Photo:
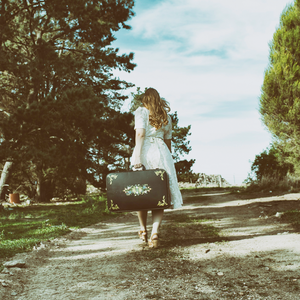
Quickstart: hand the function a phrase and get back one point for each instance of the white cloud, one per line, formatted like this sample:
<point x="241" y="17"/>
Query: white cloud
<point x="201" y="55"/>
<point x="209" y="130"/>
<point x="206" y="25"/>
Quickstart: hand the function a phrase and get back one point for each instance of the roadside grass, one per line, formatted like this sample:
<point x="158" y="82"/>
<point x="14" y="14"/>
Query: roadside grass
<point x="289" y="183"/>
<point x="292" y="217"/>
<point x="24" y="227"/>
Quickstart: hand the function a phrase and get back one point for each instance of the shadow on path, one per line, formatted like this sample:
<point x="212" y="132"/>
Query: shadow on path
<point x="217" y="246"/>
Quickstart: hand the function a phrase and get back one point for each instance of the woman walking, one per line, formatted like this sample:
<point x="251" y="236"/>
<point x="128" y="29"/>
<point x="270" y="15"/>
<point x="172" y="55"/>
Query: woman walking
<point x="153" y="134"/>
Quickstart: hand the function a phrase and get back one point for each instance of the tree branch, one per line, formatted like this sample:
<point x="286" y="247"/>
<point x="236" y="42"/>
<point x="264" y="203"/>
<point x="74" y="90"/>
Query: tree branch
<point x="30" y="20"/>
<point x="23" y="8"/>
<point x="5" y="112"/>
<point x="64" y="31"/>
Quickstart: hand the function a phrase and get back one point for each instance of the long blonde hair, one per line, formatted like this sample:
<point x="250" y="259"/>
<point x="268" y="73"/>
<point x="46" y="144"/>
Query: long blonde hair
<point x="157" y="107"/>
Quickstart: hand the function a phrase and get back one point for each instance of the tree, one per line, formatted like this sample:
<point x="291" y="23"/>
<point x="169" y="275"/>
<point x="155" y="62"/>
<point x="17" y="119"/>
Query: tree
<point x="184" y="171"/>
<point x="270" y="164"/>
<point x="115" y="150"/>
<point x="3" y="178"/>
<point x="280" y="97"/>
<point x="58" y="95"/>
<point x="180" y="142"/>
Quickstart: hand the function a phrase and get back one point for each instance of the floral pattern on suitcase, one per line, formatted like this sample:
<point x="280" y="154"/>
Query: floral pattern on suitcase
<point x="111" y="178"/>
<point x="113" y="206"/>
<point x="160" y="173"/>
<point x="137" y="189"/>
<point x="163" y="202"/>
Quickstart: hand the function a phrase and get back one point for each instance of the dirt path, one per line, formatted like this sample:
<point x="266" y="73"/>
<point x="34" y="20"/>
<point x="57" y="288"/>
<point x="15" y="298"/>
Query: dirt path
<point x="240" y="251"/>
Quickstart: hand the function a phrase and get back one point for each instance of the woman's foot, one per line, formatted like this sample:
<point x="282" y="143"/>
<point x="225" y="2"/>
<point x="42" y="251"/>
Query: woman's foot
<point x="153" y="242"/>
<point x="143" y="235"/>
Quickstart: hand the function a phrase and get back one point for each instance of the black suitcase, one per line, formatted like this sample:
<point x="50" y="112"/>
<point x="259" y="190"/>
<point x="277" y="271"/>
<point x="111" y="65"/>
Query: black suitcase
<point x="138" y="190"/>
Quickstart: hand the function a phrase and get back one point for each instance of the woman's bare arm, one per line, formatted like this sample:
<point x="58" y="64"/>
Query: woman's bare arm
<point x="139" y="141"/>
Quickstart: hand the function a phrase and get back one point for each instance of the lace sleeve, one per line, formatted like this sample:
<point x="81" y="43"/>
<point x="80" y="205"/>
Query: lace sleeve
<point x="168" y="129"/>
<point x="140" y="118"/>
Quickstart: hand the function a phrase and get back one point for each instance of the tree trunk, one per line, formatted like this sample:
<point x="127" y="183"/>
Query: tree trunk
<point x="44" y="190"/>
<point x="38" y="186"/>
<point x="3" y="179"/>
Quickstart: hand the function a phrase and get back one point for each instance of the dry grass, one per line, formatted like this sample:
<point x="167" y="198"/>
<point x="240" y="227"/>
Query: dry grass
<point x="274" y="183"/>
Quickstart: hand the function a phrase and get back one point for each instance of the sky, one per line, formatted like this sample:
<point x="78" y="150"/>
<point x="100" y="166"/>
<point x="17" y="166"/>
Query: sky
<point x="207" y="58"/>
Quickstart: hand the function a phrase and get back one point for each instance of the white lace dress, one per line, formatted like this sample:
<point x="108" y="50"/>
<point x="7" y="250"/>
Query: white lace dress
<point x="155" y="153"/>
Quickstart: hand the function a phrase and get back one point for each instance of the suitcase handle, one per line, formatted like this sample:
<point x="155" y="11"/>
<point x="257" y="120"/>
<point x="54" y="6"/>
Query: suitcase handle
<point x="142" y="168"/>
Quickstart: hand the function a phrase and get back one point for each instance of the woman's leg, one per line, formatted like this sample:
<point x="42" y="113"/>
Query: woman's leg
<point x="143" y="219"/>
<point x="157" y="216"/>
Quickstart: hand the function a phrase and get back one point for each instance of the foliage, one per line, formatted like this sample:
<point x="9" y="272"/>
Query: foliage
<point x="269" y="163"/>
<point x="136" y="99"/>
<point x="184" y="172"/>
<point x="180" y="142"/>
<point x="280" y="98"/>
<point x="271" y="172"/>
<point x="59" y="100"/>
<point x="24" y="227"/>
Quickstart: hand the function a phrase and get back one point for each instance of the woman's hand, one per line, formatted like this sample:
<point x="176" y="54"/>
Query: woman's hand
<point x="138" y="165"/>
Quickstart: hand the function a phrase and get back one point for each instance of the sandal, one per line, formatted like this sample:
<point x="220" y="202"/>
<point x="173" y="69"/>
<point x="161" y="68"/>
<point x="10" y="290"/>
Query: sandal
<point x="153" y="242"/>
<point x="143" y="235"/>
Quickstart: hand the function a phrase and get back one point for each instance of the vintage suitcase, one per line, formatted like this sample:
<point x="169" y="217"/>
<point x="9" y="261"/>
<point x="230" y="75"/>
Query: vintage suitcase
<point x="138" y="190"/>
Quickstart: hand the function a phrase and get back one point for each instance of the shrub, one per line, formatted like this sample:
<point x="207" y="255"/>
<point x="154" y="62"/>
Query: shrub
<point x="275" y="183"/>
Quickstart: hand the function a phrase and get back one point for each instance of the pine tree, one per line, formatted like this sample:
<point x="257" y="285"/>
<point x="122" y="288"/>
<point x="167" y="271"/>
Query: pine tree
<point x="58" y="95"/>
<point x="280" y="98"/>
